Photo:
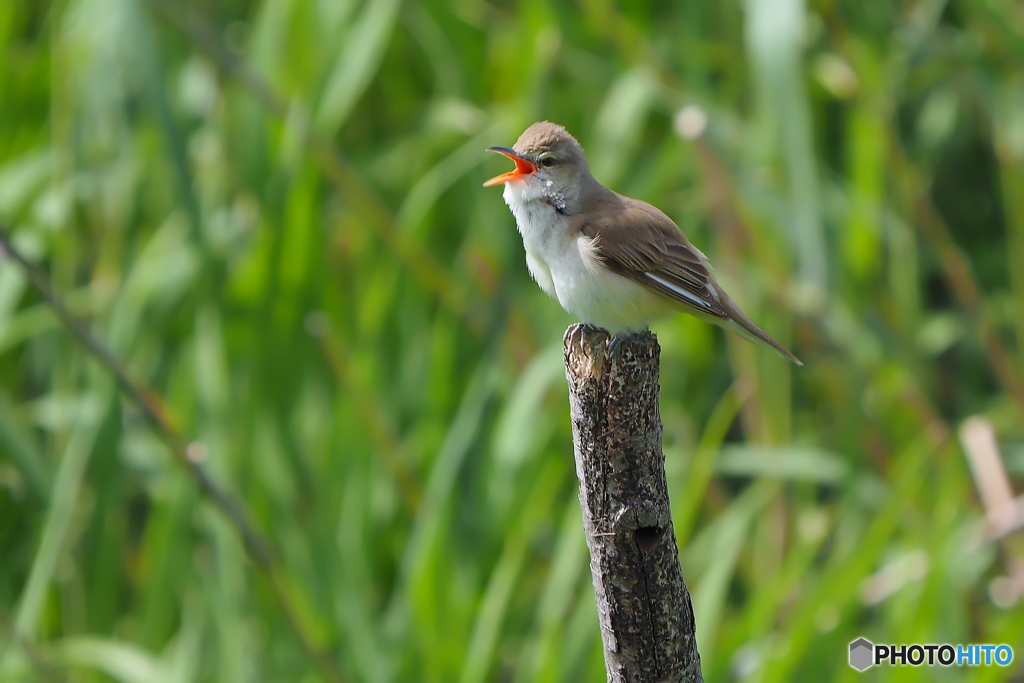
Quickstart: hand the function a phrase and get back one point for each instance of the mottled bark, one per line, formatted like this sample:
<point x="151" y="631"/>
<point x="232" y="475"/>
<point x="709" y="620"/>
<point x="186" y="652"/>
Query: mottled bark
<point x="643" y="604"/>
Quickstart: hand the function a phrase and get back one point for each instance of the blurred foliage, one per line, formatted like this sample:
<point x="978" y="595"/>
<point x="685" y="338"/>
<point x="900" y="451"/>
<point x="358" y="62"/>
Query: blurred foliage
<point x="272" y="212"/>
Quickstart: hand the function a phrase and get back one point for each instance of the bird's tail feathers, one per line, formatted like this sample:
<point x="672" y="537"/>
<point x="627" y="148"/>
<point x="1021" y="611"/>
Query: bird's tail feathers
<point x="740" y="324"/>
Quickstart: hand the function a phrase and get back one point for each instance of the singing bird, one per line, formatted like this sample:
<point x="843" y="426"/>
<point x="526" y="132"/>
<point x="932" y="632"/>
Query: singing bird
<point x="616" y="262"/>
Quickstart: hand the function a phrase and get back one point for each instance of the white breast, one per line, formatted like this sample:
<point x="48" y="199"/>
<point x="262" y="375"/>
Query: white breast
<point x="565" y="264"/>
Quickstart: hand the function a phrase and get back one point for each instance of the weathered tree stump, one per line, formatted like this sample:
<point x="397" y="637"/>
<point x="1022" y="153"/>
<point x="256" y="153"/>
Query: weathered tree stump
<point x="644" y="606"/>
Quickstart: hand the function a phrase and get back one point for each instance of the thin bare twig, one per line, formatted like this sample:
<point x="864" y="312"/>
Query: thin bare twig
<point x="186" y="453"/>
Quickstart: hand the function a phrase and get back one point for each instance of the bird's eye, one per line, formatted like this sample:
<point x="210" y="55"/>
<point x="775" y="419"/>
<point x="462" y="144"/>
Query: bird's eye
<point x="547" y="162"/>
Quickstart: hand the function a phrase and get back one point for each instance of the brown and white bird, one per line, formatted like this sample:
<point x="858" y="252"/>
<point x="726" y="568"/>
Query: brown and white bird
<point x="616" y="262"/>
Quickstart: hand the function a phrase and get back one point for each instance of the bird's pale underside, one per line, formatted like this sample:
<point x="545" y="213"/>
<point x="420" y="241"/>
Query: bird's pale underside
<point x="616" y="262"/>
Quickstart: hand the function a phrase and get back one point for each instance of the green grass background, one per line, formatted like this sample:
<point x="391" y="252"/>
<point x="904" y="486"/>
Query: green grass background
<point x="272" y="212"/>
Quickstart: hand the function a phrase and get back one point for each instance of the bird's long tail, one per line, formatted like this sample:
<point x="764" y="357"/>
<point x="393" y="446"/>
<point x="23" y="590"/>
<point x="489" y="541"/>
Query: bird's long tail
<point x="740" y="324"/>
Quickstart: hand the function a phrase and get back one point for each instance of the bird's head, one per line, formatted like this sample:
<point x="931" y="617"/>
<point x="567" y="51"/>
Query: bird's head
<point x="550" y="164"/>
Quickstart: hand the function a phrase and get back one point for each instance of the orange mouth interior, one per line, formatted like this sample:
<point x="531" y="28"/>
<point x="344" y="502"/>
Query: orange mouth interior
<point x="523" y="167"/>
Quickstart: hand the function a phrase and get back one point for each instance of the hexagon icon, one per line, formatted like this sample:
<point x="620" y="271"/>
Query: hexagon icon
<point x="861" y="654"/>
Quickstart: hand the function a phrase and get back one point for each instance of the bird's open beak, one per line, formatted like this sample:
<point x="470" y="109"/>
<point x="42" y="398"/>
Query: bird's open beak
<point x="524" y="167"/>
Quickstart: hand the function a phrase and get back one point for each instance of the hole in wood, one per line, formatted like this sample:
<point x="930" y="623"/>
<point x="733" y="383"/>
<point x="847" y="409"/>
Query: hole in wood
<point x="647" y="537"/>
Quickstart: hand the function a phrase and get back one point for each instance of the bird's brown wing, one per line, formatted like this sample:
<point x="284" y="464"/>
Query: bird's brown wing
<point x="639" y="242"/>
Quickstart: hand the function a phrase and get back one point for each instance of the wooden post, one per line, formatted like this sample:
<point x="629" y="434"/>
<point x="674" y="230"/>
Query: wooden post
<point x="643" y="604"/>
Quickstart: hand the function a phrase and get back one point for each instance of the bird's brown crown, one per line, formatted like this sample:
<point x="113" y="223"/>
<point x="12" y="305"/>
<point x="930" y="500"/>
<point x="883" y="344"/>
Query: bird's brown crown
<point x="546" y="136"/>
